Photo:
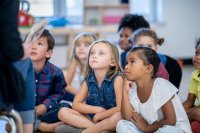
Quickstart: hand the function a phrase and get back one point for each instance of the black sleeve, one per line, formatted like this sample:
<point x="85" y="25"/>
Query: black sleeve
<point x="174" y="70"/>
<point x="10" y="42"/>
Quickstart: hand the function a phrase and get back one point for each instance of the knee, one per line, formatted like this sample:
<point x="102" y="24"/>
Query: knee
<point x="195" y="114"/>
<point x="115" y="118"/>
<point x="62" y="112"/>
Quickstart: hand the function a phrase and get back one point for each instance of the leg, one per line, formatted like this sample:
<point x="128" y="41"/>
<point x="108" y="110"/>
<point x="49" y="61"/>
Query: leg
<point x="169" y="129"/>
<point x="74" y="118"/>
<point x="124" y="126"/>
<point x="48" y="127"/>
<point x="194" y="114"/>
<point x="107" y="124"/>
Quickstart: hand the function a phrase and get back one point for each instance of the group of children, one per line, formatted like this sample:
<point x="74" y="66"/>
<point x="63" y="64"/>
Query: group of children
<point x="140" y="98"/>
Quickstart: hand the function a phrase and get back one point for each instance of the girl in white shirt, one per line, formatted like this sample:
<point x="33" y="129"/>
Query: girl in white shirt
<point x="149" y="104"/>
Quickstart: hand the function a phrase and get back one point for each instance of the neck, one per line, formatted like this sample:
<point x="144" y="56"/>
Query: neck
<point x="83" y="64"/>
<point x="100" y="75"/>
<point x="38" y="66"/>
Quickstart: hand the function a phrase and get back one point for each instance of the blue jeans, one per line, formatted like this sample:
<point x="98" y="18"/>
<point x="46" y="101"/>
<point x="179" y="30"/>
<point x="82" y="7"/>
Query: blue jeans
<point x="51" y="116"/>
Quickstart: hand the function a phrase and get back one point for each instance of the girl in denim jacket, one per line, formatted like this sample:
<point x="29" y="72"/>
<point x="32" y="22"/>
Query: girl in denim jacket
<point x="97" y="105"/>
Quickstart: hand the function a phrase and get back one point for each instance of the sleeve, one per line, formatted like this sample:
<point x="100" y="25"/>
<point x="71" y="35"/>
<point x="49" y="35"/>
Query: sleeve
<point x="162" y="92"/>
<point x="11" y="45"/>
<point x="192" y="85"/>
<point x="59" y="85"/>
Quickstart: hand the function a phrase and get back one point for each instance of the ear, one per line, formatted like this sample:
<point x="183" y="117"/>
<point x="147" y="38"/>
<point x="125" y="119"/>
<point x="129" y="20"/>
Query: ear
<point x="149" y="68"/>
<point x="112" y="63"/>
<point x="49" y="53"/>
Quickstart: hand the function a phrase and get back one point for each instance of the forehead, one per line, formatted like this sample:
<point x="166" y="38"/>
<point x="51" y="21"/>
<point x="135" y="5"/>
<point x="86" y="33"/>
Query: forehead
<point x="198" y="48"/>
<point x="126" y="30"/>
<point x="100" y="46"/>
<point x="43" y="39"/>
<point x="131" y="55"/>
<point x="145" y="40"/>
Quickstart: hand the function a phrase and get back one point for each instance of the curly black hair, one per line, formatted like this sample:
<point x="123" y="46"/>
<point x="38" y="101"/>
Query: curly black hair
<point x="133" y="21"/>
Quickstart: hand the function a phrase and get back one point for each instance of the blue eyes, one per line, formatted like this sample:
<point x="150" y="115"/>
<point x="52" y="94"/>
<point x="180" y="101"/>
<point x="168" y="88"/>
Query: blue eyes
<point x="100" y="53"/>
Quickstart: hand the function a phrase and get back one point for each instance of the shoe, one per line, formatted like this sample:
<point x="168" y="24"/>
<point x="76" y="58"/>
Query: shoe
<point x="67" y="129"/>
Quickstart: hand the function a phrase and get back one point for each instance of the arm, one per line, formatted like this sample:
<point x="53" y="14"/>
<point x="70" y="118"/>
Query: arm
<point x="127" y="108"/>
<point x="11" y="44"/>
<point x="169" y="118"/>
<point x="69" y="77"/>
<point x="189" y="102"/>
<point x="79" y="104"/>
<point x="118" y="86"/>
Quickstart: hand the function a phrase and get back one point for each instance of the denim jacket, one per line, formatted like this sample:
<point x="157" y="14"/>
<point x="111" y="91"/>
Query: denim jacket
<point x="104" y="95"/>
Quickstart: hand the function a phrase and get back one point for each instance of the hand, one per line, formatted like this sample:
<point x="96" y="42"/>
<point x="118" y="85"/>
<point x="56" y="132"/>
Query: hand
<point x="139" y="121"/>
<point x="40" y="110"/>
<point x="96" y="118"/>
<point x="127" y="84"/>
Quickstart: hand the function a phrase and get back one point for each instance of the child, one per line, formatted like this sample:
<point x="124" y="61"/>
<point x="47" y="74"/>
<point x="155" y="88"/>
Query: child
<point x="96" y="107"/>
<point x="148" y="38"/>
<point x="193" y="111"/>
<point x="75" y="73"/>
<point x="49" y="83"/>
<point x="149" y="104"/>
<point x="128" y="24"/>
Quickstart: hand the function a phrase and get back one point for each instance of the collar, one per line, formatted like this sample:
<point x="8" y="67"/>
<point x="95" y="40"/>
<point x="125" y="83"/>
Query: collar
<point x="92" y="77"/>
<point x="196" y="75"/>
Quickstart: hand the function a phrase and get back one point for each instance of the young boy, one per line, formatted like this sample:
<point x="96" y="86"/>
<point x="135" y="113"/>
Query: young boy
<point x="49" y="82"/>
<point x="193" y="111"/>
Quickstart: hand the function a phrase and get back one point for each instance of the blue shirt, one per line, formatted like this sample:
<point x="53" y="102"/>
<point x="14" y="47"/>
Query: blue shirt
<point x="50" y="85"/>
<point x="103" y="95"/>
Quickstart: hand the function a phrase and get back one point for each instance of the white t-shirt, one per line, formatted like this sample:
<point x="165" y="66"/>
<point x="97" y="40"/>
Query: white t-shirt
<point x="151" y="111"/>
<point x="77" y="79"/>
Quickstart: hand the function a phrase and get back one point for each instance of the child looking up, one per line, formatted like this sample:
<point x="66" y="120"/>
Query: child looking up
<point x="192" y="110"/>
<point x="97" y="105"/>
<point x="49" y="83"/>
<point x="149" y="104"/>
<point x="75" y="73"/>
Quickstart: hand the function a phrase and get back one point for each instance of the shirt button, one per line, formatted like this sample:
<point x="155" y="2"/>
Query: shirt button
<point x="35" y="95"/>
<point x="36" y="80"/>
<point x="50" y="106"/>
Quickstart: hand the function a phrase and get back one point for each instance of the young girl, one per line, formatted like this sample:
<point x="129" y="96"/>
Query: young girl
<point x="148" y="38"/>
<point x="75" y="74"/>
<point x="193" y="111"/>
<point x="149" y="104"/>
<point x="97" y="105"/>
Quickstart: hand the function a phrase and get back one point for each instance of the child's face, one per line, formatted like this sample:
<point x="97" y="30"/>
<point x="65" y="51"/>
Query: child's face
<point x="82" y="50"/>
<point x="125" y="34"/>
<point x="196" y="58"/>
<point x="146" y="41"/>
<point x="39" y="50"/>
<point x="135" y="68"/>
<point x="100" y="56"/>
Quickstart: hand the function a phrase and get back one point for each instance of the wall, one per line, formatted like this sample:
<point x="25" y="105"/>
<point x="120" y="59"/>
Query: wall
<point x="180" y="28"/>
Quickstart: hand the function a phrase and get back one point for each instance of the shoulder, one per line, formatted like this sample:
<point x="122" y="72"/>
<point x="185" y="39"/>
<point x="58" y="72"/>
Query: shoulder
<point x="53" y="69"/>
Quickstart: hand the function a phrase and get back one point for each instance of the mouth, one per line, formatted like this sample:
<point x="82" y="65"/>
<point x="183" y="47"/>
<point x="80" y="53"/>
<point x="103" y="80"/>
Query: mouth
<point x="33" y="53"/>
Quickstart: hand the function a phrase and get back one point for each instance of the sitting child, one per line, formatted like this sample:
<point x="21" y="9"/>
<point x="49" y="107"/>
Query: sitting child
<point x="193" y="111"/>
<point x="49" y="83"/>
<point x="149" y="104"/>
<point x="97" y="105"/>
<point x="75" y="74"/>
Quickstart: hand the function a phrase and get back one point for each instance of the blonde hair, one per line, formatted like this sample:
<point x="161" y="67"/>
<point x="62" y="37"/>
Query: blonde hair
<point x="84" y="37"/>
<point x="113" y="70"/>
<point x="146" y="32"/>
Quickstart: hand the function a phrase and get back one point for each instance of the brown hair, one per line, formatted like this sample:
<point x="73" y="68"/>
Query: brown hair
<point x="50" y="39"/>
<point x="146" y="32"/>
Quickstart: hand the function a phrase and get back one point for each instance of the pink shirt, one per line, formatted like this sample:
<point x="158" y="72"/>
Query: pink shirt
<point x="162" y="72"/>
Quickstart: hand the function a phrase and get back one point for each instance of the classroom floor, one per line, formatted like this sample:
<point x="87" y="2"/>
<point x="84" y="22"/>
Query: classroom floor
<point x="183" y="91"/>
